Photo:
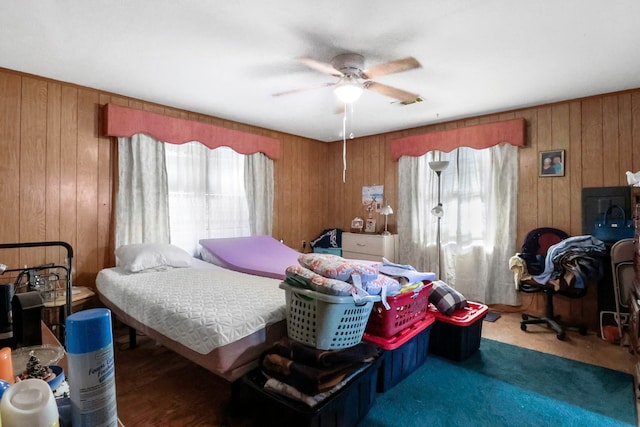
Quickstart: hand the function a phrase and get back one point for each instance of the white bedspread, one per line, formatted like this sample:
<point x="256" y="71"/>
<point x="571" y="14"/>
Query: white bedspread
<point x="203" y="307"/>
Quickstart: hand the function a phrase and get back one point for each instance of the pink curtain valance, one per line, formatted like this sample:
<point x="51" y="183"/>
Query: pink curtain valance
<point x="124" y="121"/>
<point x="478" y="137"/>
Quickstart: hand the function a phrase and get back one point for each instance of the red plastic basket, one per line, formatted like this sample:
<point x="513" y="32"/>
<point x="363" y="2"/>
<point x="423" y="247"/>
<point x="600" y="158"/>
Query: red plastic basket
<point x="406" y="309"/>
<point x="392" y="343"/>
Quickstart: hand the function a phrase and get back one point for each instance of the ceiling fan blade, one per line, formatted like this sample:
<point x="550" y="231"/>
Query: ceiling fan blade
<point x="396" y="66"/>
<point x="320" y="66"/>
<point x="304" y="89"/>
<point x="404" y="97"/>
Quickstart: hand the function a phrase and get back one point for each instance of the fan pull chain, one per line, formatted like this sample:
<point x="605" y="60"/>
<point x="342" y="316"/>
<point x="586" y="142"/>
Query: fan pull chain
<point x="351" y="134"/>
<point x="344" y="145"/>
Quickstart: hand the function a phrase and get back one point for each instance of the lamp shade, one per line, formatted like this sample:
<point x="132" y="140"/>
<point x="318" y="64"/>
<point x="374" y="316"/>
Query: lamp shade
<point x="439" y="166"/>
<point x="348" y="91"/>
<point x="386" y="210"/>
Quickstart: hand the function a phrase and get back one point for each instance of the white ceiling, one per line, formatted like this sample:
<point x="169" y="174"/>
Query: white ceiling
<point x="226" y="59"/>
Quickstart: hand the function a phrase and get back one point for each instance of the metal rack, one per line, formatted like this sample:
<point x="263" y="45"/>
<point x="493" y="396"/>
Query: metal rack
<point x="31" y="270"/>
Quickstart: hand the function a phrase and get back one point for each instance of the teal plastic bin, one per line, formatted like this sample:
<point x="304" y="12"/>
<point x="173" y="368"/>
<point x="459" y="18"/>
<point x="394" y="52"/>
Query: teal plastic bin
<point x="332" y="251"/>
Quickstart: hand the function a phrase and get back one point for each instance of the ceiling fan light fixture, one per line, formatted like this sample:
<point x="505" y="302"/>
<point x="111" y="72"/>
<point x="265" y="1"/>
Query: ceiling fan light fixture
<point x="348" y="91"/>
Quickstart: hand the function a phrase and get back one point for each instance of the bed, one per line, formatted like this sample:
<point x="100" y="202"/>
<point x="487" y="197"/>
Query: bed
<point x="219" y="318"/>
<point x="221" y="313"/>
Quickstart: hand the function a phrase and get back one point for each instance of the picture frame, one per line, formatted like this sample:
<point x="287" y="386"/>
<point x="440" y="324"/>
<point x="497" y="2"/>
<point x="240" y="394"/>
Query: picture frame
<point x="357" y="224"/>
<point x="370" y="226"/>
<point x="551" y="163"/>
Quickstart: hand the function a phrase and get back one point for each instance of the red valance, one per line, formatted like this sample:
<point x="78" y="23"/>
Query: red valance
<point x="479" y="136"/>
<point x="124" y="121"/>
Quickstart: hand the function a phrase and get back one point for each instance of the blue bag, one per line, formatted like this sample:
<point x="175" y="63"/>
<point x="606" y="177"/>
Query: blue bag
<point x="611" y="230"/>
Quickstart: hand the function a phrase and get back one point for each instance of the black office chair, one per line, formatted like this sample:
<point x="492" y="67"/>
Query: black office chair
<point x="534" y="251"/>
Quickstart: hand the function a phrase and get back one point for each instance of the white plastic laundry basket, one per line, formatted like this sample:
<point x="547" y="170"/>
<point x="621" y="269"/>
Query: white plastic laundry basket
<point x="325" y="322"/>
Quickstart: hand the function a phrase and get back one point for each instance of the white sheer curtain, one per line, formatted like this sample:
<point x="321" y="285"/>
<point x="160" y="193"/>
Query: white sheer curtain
<point x="142" y="209"/>
<point x="179" y="194"/>
<point x="206" y="194"/>
<point x="259" y="186"/>
<point x="478" y="230"/>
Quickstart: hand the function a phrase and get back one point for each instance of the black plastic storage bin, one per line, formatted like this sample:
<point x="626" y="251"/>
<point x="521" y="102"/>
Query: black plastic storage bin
<point x="403" y="353"/>
<point x="457" y="337"/>
<point x="346" y="407"/>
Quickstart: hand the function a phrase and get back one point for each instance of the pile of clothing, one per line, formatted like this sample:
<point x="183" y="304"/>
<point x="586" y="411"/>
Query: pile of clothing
<point x="334" y="275"/>
<point x="310" y="375"/>
<point x="568" y="265"/>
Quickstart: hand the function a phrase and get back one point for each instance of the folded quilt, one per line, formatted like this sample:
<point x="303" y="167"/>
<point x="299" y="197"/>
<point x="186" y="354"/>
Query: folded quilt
<point x="336" y="267"/>
<point x="302" y="277"/>
<point x="333" y="275"/>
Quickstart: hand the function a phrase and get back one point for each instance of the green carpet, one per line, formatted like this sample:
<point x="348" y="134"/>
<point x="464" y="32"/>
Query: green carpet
<point x="505" y="385"/>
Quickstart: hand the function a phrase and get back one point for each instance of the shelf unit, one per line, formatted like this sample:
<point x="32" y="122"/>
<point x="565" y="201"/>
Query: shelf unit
<point x="67" y="269"/>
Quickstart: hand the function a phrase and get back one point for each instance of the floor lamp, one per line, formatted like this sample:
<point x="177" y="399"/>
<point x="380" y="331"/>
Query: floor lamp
<point x="437" y="211"/>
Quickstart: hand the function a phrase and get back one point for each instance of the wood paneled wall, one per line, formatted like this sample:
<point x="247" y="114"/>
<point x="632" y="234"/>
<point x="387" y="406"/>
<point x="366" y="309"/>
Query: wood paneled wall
<point x="601" y="136"/>
<point x="57" y="172"/>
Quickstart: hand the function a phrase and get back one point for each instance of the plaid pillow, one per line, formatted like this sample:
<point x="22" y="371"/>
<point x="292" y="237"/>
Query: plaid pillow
<point x="445" y="298"/>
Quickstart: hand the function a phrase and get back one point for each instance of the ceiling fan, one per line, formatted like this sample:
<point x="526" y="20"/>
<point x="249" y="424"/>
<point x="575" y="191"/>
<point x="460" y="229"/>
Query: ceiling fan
<point x="353" y="78"/>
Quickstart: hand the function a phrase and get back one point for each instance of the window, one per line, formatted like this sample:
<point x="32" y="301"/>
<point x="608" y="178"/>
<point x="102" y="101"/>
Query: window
<point x="464" y="193"/>
<point x="206" y="194"/>
<point x="477" y="231"/>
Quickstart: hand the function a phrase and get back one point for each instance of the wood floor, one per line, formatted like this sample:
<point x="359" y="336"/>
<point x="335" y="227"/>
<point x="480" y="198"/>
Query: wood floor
<point x="156" y="387"/>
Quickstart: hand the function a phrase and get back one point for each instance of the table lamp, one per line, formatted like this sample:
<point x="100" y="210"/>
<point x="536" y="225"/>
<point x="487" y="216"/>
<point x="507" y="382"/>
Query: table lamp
<point x="386" y="211"/>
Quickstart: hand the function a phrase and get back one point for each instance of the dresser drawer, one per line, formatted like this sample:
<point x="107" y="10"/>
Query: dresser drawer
<point x="363" y="243"/>
<point x="368" y="246"/>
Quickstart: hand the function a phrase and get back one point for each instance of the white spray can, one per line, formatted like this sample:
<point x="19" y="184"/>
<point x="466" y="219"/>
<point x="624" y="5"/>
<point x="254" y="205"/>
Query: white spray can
<point x="92" y="383"/>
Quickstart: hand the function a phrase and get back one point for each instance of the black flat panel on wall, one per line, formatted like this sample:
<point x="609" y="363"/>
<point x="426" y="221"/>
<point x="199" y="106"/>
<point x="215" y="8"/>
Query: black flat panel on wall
<point x="596" y="201"/>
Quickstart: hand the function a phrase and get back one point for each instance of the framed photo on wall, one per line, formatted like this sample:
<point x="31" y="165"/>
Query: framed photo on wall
<point x="551" y="163"/>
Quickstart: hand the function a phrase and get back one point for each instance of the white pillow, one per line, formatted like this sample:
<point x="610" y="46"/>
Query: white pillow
<point x="144" y="256"/>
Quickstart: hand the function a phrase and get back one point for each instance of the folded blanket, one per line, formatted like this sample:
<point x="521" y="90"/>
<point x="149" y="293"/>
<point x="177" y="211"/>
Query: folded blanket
<point x="305" y="378"/>
<point x="313" y="371"/>
<point x="291" y="392"/>
<point x="363" y="352"/>
<point x="405" y="274"/>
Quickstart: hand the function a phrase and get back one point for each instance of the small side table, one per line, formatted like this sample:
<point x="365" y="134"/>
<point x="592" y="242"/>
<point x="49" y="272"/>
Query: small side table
<point x="53" y="312"/>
